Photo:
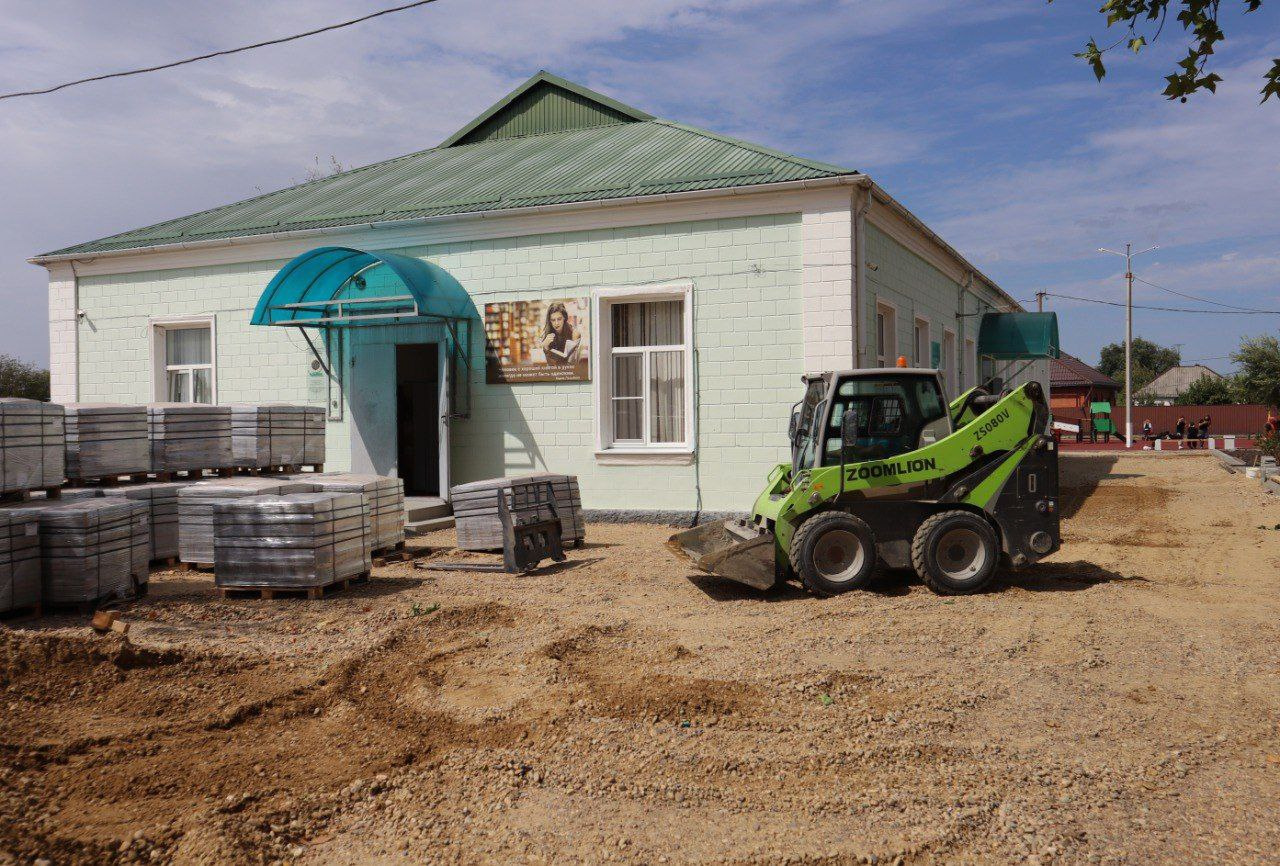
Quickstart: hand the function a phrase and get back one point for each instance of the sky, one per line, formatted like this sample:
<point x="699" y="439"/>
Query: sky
<point x="973" y="114"/>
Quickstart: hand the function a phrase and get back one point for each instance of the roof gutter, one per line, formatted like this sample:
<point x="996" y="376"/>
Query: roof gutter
<point x="693" y="195"/>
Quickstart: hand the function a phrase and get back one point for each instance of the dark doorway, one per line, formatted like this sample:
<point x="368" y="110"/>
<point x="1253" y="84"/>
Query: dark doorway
<point x="418" y="418"/>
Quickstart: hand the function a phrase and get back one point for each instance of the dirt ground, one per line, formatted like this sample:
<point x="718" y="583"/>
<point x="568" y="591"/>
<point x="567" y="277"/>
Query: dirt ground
<point x="1120" y="703"/>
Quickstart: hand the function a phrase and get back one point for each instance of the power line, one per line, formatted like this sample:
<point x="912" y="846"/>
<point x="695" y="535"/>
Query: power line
<point x="213" y="54"/>
<point x="1164" y="309"/>
<point x="1201" y="300"/>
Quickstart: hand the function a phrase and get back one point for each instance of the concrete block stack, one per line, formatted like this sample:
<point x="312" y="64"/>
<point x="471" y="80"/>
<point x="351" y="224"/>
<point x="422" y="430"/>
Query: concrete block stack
<point x="196" y="502"/>
<point x="271" y="434"/>
<point x="19" y="561"/>
<point x="313" y="436"/>
<point x="106" y="440"/>
<point x="296" y="541"/>
<point x="475" y="507"/>
<point x="32" y="445"/>
<point x="384" y="494"/>
<point x="161" y="499"/>
<point x="187" y="436"/>
<point x="91" y="550"/>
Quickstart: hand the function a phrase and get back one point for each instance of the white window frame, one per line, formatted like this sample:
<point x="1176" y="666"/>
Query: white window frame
<point x="923" y="353"/>
<point x="886" y="356"/>
<point x="160" y="367"/>
<point x="602" y="352"/>
<point x="947" y="358"/>
<point x="970" y="363"/>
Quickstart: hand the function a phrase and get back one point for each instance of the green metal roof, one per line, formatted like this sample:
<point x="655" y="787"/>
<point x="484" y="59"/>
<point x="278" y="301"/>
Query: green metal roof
<point x="548" y="142"/>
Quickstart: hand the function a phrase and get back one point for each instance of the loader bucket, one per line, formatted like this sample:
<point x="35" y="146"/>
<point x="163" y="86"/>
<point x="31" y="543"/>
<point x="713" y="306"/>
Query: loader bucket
<point x="734" y="549"/>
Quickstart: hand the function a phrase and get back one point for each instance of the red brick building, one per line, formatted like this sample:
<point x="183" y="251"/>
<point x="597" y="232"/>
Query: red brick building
<point x="1073" y="385"/>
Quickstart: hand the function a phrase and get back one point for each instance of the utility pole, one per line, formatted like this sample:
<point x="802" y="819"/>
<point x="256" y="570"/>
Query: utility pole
<point x="1128" y="255"/>
<point x="1040" y="301"/>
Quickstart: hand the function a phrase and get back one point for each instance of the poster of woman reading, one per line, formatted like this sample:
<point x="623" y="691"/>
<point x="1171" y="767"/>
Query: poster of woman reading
<point x="538" y="341"/>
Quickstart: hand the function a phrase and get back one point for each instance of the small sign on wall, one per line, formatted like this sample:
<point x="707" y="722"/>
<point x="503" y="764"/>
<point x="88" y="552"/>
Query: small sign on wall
<point x="538" y="341"/>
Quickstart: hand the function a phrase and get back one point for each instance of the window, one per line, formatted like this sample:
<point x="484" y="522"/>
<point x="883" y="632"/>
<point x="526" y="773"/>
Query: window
<point x="886" y="335"/>
<point x="896" y="414"/>
<point x="948" y="362"/>
<point x="922" y="342"/>
<point x="970" y="364"/>
<point x="645" y="387"/>
<point x="184" y="367"/>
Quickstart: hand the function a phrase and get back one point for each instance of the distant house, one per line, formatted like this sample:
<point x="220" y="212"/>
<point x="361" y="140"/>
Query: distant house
<point x="1073" y="385"/>
<point x="1166" y="387"/>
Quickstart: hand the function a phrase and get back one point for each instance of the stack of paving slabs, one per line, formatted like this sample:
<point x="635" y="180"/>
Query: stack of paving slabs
<point x="161" y="499"/>
<point x="475" y="508"/>
<point x="106" y="440"/>
<point x="313" y="436"/>
<point x="32" y="443"/>
<point x="195" y="509"/>
<point x="298" y="541"/>
<point x="19" y="561"/>
<point x="76" y="494"/>
<point x="272" y="434"/>
<point x="91" y="550"/>
<point x="385" y="496"/>
<point x="189" y="436"/>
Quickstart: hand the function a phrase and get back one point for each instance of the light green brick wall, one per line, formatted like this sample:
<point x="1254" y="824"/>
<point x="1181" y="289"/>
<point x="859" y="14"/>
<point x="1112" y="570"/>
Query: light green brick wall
<point x="747" y="308"/>
<point x="917" y="288"/>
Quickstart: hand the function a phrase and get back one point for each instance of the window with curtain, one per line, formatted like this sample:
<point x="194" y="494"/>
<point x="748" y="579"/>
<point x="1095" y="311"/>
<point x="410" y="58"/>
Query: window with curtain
<point x="647" y="373"/>
<point x="188" y="364"/>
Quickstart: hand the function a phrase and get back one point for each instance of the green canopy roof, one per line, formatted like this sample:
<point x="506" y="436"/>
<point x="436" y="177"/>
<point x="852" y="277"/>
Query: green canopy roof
<point x="330" y="286"/>
<point x="548" y="142"/>
<point x="1018" y="336"/>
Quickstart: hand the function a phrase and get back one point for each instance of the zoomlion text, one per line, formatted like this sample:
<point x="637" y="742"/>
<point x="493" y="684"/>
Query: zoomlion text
<point x="900" y="467"/>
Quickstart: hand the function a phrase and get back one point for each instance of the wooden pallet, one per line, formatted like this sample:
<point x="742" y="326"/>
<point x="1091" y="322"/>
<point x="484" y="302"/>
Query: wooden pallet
<point x="278" y="469"/>
<point x="124" y="480"/>
<point x="194" y="566"/>
<point x="25" y="495"/>
<point x="395" y="553"/>
<point x="271" y="592"/>
<point x="23" y="611"/>
<point x="165" y="563"/>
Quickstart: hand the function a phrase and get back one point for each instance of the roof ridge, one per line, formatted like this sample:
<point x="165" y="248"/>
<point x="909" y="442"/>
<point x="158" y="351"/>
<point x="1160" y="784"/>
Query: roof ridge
<point x="757" y="148"/>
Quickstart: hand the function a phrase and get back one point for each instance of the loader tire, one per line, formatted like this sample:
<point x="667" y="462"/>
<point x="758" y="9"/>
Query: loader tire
<point x="955" y="552"/>
<point x="833" y="552"/>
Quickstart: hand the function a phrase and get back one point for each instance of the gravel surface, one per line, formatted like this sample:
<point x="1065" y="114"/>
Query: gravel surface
<point x="1119" y="704"/>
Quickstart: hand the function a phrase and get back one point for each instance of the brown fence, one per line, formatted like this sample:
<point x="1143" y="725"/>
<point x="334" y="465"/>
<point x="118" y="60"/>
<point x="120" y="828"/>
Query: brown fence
<point x="1240" y="419"/>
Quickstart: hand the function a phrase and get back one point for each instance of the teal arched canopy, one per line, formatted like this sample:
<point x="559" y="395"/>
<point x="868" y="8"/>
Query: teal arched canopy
<point x="343" y="287"/>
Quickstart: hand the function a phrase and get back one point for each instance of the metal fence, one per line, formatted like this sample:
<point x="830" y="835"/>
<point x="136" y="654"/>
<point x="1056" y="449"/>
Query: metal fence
<point x="1243" y="419"/>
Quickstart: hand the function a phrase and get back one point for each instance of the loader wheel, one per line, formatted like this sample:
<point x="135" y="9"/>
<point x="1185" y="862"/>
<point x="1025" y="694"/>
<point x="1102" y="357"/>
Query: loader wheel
<point x="833" y="552"/>
<point x="955" y="552"/>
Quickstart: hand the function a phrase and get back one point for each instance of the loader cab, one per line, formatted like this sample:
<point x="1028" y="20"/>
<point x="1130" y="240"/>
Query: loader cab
<point x="896" y="410"/>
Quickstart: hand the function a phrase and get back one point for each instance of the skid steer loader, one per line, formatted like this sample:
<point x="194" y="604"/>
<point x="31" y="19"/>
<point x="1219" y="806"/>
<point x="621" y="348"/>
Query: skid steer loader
<point x="883" y="469"/>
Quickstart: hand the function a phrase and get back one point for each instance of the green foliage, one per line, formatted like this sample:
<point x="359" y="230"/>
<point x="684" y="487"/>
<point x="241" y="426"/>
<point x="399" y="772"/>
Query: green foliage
<point x="1269" y="444"/>
<point x="1200" y="23"/>
<point x="1259" y="362"/>
<point x="1210" y="391"/>
<point x="20" y="379"/>
<point x="1149" y="360"/>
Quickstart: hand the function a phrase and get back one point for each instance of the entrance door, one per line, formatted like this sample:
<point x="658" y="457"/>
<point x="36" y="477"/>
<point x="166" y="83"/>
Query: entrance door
<point x="418" y="418"/>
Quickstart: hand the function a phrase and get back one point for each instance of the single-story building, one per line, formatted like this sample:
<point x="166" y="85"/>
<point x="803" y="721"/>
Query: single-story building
<point x="1169" y="385"/>
<point x="1074" y="385"/>
<point x="566" y="283"/>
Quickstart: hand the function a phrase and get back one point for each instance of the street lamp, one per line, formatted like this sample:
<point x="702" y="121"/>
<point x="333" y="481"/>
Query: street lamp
<point x="1128" y="255"/>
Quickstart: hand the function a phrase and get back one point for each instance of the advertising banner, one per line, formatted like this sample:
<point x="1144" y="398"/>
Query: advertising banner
<point x="538" y="341"/>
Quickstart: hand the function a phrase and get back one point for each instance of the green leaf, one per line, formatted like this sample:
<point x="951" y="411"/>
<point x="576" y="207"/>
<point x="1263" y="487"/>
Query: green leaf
<point x="1136" y="43"/>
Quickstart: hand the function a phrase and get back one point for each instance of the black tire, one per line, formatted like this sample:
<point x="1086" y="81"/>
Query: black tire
<point x="955" y="552"/>
<point x="833" y="552"/>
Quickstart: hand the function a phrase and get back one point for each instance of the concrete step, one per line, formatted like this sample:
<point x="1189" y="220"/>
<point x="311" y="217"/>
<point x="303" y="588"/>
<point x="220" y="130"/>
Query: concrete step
<point x="422" y="527"/>
<point x="419" y="508"/>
